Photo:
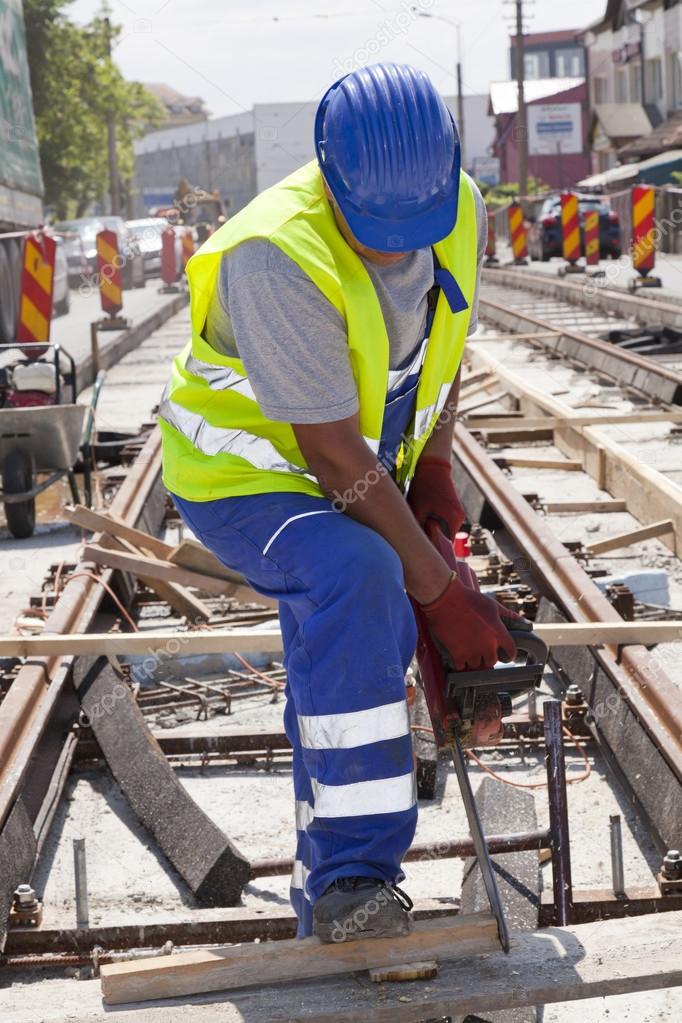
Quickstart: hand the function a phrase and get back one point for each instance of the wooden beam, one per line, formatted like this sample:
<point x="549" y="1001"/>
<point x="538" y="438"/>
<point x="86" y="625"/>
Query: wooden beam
<point x="497" y="396"/>
<point x="103" y="522"/>
<point x="555" y="964"/>
<point x="649" y="494"/>
<point x="154" y="569"/>
<point x="182" y="600"/>
<point x="519" y="337"/>
<point x="194" y="556"/>
<point x="211" y="641"/>
<point x="607" y="505"/>
<point x="240" y="966"/>
<point x="612" y="543"/>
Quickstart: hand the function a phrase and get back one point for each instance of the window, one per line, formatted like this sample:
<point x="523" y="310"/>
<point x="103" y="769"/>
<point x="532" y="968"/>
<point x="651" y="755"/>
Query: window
<point x="620" y="82"/>
<point x="600" y="89"/>
<point x="536" y="65"/>
<point x="635" y="72"/>
<point x="653" y="80"/>
<point x="674" y="81"/>
<point x="569" y="63"/>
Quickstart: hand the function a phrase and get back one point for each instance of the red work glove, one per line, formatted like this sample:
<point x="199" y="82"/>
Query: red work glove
<point x="432" y="495"/>
<point x="445" y="549"/>
<point x="467" y="627"/>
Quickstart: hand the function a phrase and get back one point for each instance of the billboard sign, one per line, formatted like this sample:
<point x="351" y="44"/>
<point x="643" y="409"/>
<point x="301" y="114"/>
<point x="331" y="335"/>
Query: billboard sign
<point x="554" y="128"/>
<point x="487" y="169"/>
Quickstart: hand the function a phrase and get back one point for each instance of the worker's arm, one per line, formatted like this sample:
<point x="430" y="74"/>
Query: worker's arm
<point x="432" y="494"/>
<point x="347" y="472"/>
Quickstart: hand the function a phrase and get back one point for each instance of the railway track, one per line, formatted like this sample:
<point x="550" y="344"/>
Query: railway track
<point x="551" y="428"/>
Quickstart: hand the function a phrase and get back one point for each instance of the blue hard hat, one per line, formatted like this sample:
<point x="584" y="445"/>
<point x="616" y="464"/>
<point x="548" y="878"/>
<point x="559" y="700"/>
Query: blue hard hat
<point x="389" y="151"/>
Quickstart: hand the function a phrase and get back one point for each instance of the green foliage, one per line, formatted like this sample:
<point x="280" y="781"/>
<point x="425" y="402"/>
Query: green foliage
<point x="677" y="177"/>
<point x="501" y="195"/>
<point x="76" y="88"/>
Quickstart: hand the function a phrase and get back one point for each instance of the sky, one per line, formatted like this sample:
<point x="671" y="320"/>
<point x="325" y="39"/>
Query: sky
<point x="234" y="53"/>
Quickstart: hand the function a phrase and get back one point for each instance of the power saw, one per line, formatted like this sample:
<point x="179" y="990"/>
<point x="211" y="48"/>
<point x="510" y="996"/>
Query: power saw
<point x="466" y="709"/>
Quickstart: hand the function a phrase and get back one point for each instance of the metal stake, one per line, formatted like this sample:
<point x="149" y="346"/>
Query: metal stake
<point x="558" y="812"/>
<point x="80" y="872"/>
<point x="617" y="869"/>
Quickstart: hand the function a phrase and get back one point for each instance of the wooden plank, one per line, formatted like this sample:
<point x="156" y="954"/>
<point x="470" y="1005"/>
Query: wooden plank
<point x="215" y="641"/>
<point x="607" y="505"/>
<point x="497" y="396"/>
<point x="178" y="597"/>
<point x="612" y="543"/>
<point x="194" y="556"/>
<point x="520" y="462"/>
<point x="106" y="523"/>
<point x="518" y="337"/>
<point x="240" y="966"/>
<point x="141" y="565"/>
<point x="546" y="966"/>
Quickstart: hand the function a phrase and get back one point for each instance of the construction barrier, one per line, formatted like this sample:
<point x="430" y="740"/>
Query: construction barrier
<point x="570" y="227"/>
<point x="591" y="229"/>
<point x="109" y="272"/>
<point x="517" y="231"/>
<point x="187" y="250"/>
<point x="37" y="281"/>
<point x="643" y="208"/>
<point x="169" y="263"/>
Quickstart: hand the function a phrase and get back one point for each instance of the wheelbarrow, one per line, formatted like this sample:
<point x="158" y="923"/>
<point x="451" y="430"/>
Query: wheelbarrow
<point x="49" y="437"/>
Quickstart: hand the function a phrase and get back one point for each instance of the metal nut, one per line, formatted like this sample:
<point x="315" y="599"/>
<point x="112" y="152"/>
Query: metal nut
<point x="574" y="695"/>
<point x="672" y="865"/>
<point x="24" y="895"/>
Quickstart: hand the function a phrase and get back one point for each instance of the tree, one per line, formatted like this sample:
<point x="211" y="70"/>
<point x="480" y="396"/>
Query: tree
<point x="76" y="87"/>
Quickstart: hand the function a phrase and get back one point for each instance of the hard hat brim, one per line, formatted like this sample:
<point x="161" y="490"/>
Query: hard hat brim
<point x="392" y="235"/>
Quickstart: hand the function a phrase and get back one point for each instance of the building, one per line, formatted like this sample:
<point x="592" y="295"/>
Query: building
<point x="634" y="67"/>
<point x="550" y="55"/>
<point x="557" y="117"/>
<point x="179" y="109"/>
<point x="242" y="154"/>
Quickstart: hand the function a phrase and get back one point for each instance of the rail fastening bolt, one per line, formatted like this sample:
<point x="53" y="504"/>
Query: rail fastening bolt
<point x="672" y="865"/>
<point x="574" y="695"/>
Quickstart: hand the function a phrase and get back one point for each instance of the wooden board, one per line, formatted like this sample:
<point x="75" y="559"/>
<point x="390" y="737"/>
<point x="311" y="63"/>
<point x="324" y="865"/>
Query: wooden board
<point x="155" y="569"/>
<point x="546" y="966"/>
<point x="182" y="600"/>
<point x="240" y="966"/>
<point x="520" y="462"/>
<point x="103" y="522"/>
<point x="216" y="641"/>
<point x="612" y="543"/>
<point x="607" y="505"/>
<point x="633" y="418"/>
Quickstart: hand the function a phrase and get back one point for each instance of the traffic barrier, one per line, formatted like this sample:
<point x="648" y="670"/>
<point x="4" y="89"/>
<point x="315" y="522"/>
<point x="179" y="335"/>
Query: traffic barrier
<point x="169" y="263"/>
<point x="109" y="263"/>
<point x="643" y="245"/>
<point x="37" y="282"/>
<point x="570" y="227"/>
<point x="517" y="230"/>
<point x="187" y="250"/>
<point x="491" y="242"/>
<point x="591" y="228"/>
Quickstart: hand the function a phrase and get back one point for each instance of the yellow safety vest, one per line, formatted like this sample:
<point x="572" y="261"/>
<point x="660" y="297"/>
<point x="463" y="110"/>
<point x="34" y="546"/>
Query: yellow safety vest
<point x="216" y="441"/>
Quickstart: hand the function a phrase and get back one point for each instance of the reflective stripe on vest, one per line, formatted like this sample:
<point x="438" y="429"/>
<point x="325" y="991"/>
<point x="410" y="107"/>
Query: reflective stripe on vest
<point x="216" y="440"/>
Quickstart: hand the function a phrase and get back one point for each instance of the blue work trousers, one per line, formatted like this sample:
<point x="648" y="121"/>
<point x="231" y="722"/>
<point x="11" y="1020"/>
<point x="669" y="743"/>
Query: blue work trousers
<point x="349" y="635"/>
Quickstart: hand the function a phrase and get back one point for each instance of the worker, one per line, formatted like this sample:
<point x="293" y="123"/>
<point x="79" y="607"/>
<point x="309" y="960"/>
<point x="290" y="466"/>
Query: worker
<point x="307" y="432"/>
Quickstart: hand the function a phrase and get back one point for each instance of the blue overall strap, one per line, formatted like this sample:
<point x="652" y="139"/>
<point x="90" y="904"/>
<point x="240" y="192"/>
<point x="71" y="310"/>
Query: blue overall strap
<point x="450" y="289"/>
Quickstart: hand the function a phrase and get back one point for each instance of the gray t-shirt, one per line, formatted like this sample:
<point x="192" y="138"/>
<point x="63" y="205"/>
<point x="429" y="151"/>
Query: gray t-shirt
<point x="292" y="340"/>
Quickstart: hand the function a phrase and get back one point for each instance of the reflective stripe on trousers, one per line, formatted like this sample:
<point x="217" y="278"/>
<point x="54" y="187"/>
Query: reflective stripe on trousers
<point x="349" y="636"/>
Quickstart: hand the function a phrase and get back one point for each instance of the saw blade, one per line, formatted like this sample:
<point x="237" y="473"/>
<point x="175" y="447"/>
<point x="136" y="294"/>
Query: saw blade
<point x="479" y="841"/>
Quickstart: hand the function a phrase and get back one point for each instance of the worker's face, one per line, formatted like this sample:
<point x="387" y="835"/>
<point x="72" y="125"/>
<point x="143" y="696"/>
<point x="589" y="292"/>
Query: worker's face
<point x="373" y="255"/>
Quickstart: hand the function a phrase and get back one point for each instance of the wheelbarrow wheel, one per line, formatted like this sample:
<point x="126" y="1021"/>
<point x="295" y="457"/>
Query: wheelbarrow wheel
<point x="17" y="478"/>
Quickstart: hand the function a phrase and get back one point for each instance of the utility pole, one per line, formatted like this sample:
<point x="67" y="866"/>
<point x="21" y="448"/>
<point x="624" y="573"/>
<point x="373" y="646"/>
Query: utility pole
<point x="521" y="118"/>
<point x="460" y="96"/>
<point x="114" y="185"/>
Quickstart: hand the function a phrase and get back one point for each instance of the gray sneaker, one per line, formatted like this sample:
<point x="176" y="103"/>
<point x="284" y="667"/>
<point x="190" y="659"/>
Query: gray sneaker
<point x="361" y="907"/>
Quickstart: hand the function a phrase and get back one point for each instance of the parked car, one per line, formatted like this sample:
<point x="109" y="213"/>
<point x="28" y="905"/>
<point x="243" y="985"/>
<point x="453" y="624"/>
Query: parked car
<point x="147" y="234"/>
<point x="79" y="242"/>
<point x="61" y="300"/>
<point x="544" y="233"/>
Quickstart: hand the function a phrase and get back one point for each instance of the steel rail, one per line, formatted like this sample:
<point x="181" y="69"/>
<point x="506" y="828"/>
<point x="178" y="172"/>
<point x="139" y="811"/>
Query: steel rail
<point x="657" y="382"/>
<point x="31" y="700"/>
<point x="640" y="679"/>
<point x="647" y="310"/>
